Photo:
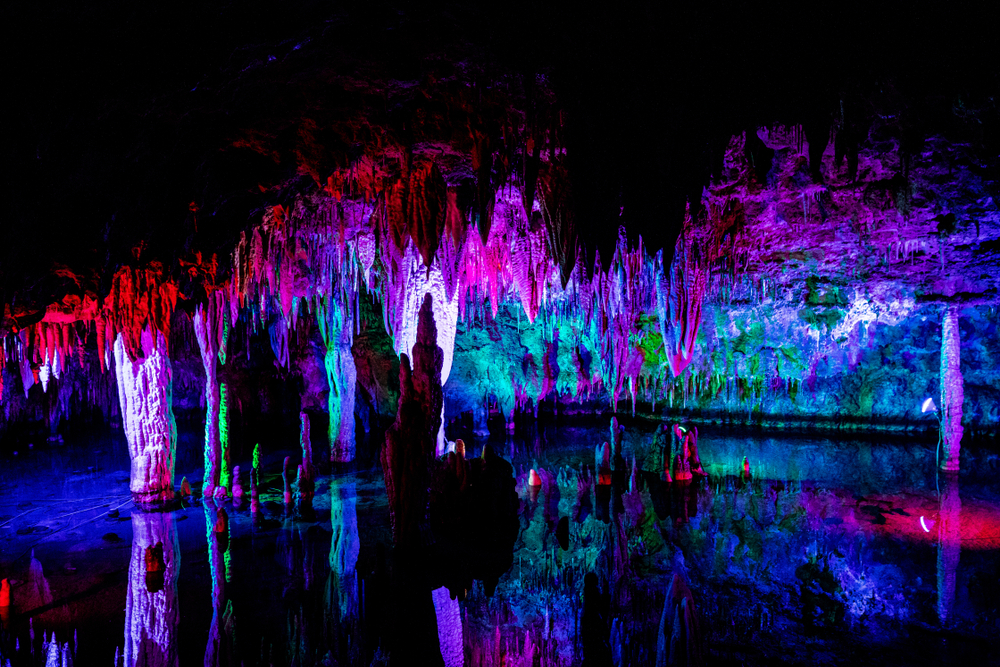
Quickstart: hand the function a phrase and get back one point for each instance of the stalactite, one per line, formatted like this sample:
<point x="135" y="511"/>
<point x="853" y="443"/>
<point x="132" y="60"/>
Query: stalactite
<point x="144" y="392"/>
<point x="679" y="294"/>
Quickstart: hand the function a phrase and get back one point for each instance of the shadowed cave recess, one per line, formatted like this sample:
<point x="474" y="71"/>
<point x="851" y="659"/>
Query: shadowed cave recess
<point x="527" y="335"/>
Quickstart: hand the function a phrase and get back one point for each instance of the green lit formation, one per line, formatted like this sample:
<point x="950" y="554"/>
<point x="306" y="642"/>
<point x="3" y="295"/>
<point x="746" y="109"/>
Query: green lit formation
<point x="225" y="473"/>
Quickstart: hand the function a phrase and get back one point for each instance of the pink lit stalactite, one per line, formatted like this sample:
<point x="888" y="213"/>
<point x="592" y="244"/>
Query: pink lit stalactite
<point x="679" y="295"/>
<point x="949" y="545"/>
<point x="144" y="393"/>
<point x="416" y="281"/>
<point x="152" y="610"/>
<point x="952" y="390"/>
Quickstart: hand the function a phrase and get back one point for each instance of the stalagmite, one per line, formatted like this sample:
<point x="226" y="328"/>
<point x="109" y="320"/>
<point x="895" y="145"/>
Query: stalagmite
<point x="237" y="487"/>
<point x="952" y="390"/>
<point x="144" y="393"/>
<point x="152" y="611"/>
<point x="305" y="442"/>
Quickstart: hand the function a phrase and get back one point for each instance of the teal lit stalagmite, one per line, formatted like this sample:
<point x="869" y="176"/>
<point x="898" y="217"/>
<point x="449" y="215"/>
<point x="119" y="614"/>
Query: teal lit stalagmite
<point x="152" y="610"/>
<point x="337" y="329"/>
<point x="952" y="390"/>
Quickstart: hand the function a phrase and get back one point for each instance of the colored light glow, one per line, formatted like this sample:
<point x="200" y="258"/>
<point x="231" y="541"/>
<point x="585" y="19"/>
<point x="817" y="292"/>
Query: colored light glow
<point x="225" y="474"/>
<point x="924" y="525"/>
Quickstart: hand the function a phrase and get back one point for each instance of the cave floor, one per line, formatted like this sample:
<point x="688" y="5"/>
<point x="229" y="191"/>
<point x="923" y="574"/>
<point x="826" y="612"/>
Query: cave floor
<point x="836" y="551"/>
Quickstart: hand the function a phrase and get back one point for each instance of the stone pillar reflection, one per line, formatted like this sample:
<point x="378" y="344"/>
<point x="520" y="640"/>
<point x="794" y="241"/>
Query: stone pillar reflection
<point x="218" y="649"/>
<point x="952" y="391"/>
<point x="152" y="610"/>
<point x="342" y="591"/>
<point x="144" y="394"/>
<point x="949" y="545"/>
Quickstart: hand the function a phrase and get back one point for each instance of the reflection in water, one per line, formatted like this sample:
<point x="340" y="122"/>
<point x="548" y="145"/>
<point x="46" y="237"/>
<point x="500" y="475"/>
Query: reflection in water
<point x="151" y="608"/>
<point x="449" y="627"/>
<point x="219" y="650"/>
<point x="949" y="545"/>
<point x="342" y="589"/>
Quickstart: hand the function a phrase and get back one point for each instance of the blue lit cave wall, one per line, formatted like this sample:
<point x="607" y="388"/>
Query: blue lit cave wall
<point x="830" y="364"/>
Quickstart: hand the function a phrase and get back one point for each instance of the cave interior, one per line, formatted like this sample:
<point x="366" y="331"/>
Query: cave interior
<point x="436" y="333"/>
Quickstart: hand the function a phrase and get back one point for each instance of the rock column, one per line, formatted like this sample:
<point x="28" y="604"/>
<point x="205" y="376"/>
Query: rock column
<point x="208" y="329"/>
<point x="144" y="394"/>
<point x="952" y="392"/>
<point x="341" y="377"/>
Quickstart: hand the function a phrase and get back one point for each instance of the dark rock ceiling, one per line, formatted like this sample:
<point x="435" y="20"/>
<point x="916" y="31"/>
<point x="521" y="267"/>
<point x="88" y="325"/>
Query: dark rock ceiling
<point x="172" y="125"/>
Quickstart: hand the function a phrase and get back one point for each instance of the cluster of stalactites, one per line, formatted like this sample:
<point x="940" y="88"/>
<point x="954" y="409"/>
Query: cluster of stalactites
<point x="139" y="299"/>
<point x="412" y="239"/>
<point x="312" y="258"/>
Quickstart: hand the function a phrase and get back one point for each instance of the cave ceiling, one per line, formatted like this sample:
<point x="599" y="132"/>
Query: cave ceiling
<point x="163" y="131"/>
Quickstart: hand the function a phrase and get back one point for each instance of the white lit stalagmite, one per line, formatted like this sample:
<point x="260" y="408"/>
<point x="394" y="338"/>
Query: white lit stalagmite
<point x="144" y="394"/>
<point x="152" y="611"/>
<point x="418" y="280"/>
<point x="952" y="391"/>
